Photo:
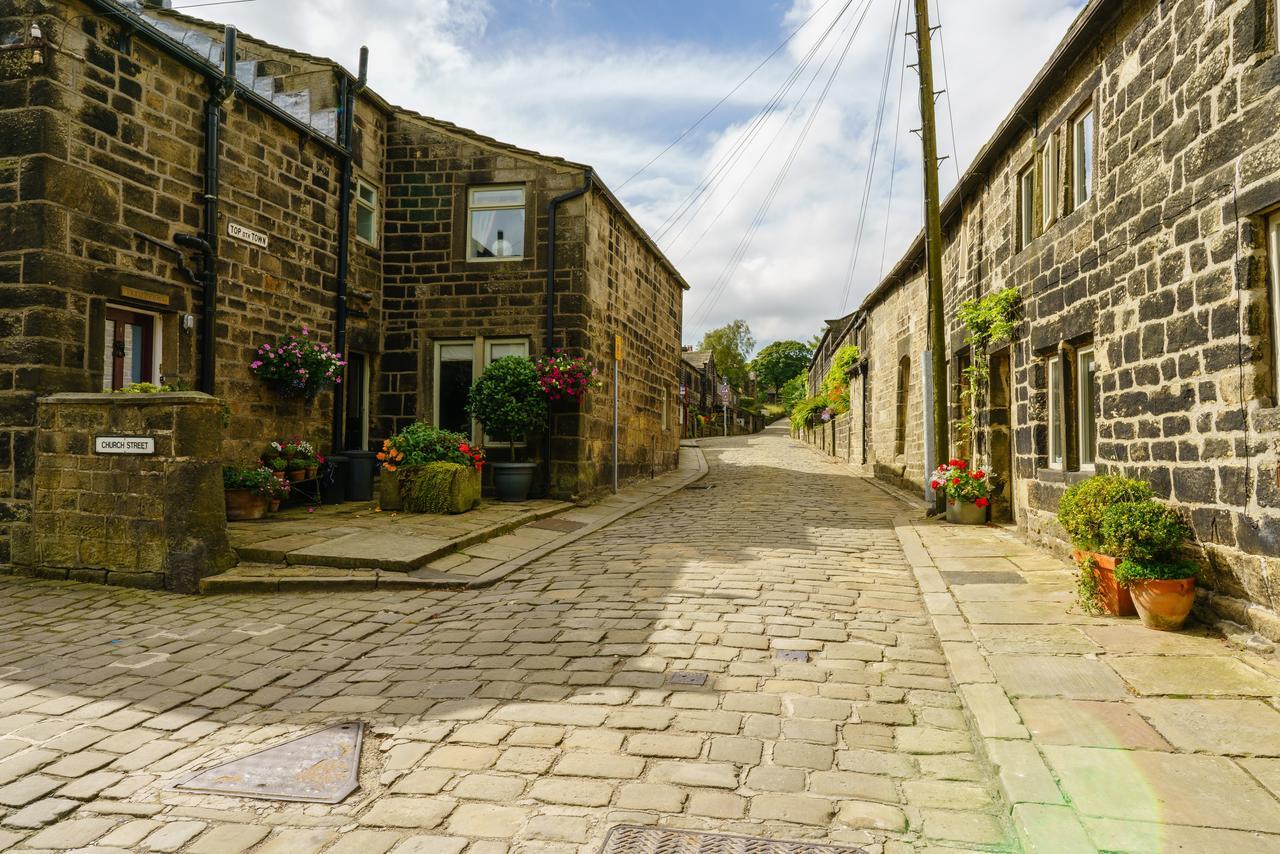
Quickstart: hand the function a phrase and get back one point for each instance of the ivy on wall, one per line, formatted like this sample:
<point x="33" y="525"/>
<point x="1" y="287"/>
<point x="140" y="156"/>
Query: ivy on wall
<point x="988" y="319"/>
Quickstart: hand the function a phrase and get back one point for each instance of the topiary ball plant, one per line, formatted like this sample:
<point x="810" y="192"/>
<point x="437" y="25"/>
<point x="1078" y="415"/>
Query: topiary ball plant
<point x="1081" y="508"/>
<point x="508" y="400"/>
<point x="1142" y="531"/>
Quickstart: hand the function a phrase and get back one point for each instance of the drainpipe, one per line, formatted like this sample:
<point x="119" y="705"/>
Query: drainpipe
<point x="347" y="92"/>
<point x="221" y="90"/>
<point x="588" y="180"/>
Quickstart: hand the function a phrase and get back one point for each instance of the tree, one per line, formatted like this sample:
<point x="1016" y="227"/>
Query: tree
<point x="730" y="345"/>
<point x="779" y="362"/>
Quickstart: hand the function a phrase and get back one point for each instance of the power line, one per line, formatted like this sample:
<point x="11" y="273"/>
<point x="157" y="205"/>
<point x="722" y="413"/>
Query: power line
<point x="727" y="96"/>
<point x="893" y="163"/>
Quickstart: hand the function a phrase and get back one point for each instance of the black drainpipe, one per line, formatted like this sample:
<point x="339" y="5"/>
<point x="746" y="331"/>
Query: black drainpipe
<point x="347" y="92"/>
<point x="588" y="179"/>
<point x="221" y="90"/>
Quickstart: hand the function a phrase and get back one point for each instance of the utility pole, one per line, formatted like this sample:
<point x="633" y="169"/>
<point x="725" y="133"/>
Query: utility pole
<point x="933" y="239"/>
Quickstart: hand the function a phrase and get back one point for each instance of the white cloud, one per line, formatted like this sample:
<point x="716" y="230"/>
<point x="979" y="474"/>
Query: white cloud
<point x="615" y="105"/>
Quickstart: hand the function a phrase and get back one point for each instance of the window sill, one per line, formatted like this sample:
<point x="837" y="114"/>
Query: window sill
<point x="1068" y="477"/>
<point x="495" y="260"/>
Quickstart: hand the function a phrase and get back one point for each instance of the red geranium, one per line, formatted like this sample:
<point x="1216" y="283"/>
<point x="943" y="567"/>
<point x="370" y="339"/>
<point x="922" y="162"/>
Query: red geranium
<point x="959" y="483"/>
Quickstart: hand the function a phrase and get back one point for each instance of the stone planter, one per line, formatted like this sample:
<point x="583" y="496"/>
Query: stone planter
<point x="1164" y="605"/>
<point x="389" y="490"/>
<point x="512" y="481"/>
<point x="965" y="513"/>
<point x="1114" y="598"/>
<point x="244" y="504"/>
<point x="439" y="488"/>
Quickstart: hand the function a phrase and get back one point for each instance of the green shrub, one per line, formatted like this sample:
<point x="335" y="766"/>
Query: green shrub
<point x="1080" y="510"/>
<point x="808" y="412"/>
<point x="422" y="443"/>
<point x="508" y="400"/>
<point x="1142" y="531"/>
<point x="1129" y="571"/>
<point x="257" y="479"/>
<point x="794" y="391"/>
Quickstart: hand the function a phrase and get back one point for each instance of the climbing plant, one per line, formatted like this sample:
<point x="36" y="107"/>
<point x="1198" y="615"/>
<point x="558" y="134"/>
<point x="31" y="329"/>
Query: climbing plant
<point x="988" y="319"/>
<point x="835" y="385"/>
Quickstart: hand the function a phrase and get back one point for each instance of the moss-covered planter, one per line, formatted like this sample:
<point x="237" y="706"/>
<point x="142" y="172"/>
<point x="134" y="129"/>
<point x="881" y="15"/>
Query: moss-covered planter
<point x="438" y="488"/>
<point x="389" y="490"/>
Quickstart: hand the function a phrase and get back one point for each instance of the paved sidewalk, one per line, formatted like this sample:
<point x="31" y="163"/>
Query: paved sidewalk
<point x="368" y="550"/>
<point x="1107" y="736"/>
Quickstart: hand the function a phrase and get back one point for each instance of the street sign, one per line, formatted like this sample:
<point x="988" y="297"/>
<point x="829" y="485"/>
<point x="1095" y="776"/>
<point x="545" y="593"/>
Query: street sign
<point x="124" y="445"/>
<point x="248" y="235"/>
<point x="617" y="347"/>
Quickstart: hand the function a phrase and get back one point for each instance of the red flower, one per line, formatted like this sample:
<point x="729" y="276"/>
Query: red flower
<point x="953" y="462"/>
<point x="934" y="484"/>
<point x="979" y="474"/>
<point x="464" y="448"/>
<point x="955" y="481"/>
<point x="982" y="502"/>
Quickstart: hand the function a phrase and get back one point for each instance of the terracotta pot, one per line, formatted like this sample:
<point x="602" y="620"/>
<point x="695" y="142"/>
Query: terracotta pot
<point x="296" y="475"/>
<point x="966" y="513"/>
<point x="311" y="472"/>
<point x="275" y="505"/>
<point x="244" y="504"/>
<point x="1114" y="598"/>
<point x="1164" y="605"/>
<point x="279" y="475"/>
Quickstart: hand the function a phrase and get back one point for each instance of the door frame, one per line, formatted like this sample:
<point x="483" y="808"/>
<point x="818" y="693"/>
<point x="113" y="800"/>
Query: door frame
<point x="152" y="345"/>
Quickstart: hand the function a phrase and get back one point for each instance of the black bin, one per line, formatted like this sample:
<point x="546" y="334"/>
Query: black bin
<point x="360" y="472"/>
<point x="333" y="479"/>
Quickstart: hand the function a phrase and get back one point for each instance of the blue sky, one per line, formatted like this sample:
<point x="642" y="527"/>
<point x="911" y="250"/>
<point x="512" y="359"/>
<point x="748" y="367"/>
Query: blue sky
<point x="611" y="82"/>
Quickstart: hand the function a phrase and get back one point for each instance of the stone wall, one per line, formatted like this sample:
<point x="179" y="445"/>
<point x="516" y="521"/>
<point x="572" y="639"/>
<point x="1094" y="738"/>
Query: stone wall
<point x="137" y="520"/>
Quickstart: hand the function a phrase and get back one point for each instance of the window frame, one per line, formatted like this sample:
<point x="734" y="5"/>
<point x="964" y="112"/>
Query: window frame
<point x="1083" y="157"/>
<point x="902" y="405"/>
<point x="1273" y="251"/>
<point x="472" y="208"/>
<point x="371" y="206"/>
<point x="156" y="343"/>
<point x="1026" y="205"/>
<point x="1050" y="181"/>
<point x="437" y="359"/>
<point x="1055" y="404"/>
<point x="1085" y="398"/>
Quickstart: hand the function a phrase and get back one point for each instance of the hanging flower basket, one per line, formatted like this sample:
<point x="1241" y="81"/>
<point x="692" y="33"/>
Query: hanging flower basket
<point x="299" y="366"/>
<point x="566" y="378"/>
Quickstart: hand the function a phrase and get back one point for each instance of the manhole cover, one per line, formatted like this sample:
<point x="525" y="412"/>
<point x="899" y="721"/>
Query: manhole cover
<point x="319" y="767"/>
<point x="629" y="839"/>
<point x="978" y="577"/>
<point x="564" y="526"/>
<point x="791" y="655"/>
<point x="688" y="677"/>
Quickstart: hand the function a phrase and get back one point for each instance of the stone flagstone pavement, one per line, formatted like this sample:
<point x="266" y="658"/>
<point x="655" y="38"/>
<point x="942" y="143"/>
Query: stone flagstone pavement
<point x="1106" y="736"/>
<point x="530" y="716"/>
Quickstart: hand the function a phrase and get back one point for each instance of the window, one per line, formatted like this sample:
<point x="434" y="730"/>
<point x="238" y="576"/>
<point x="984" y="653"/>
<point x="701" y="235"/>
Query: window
<point x="1274" y="252"/>
<point x="904" y="379"/>
<point x="1082" y="159"/>
<point x="1055" y="412"/>
<point x="366" y="213"/>
<point x="1049" y="180"/>
<point x="1086" y="412"/>
<point x="455" y="371"/>
<point x="500" y="348"/>
<point x="495" y="224"/>
<point x="131" y="348"/>
<point x="1026" y="207"/>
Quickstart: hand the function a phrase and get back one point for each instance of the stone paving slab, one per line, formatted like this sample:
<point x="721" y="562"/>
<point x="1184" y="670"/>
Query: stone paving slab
<point x="1132" y="740"/>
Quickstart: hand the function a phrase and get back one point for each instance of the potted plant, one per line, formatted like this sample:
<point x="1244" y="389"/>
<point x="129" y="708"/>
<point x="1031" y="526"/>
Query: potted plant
<point x="429" y="470"/>
<point x="509" y="401"/>
<point x="564" y="377"/>
<point x="1080" y="513"/>
<point x="278" y="466"/>
<point x="298" y="366"/>
<point x="1146" y="537"/>
<point x="967" y="490"/>
<point x="278" y="491"/>
<point x="247" y="491"/>
<point x="296" y="469"/>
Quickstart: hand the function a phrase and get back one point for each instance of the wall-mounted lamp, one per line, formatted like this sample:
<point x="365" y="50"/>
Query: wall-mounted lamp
<point x="36" y="40"/>
<point x="188" y="322"/>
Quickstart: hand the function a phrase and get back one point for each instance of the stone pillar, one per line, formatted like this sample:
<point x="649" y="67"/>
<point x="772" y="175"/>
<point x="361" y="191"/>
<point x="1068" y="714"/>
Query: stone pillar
<point x="153" y="517"/>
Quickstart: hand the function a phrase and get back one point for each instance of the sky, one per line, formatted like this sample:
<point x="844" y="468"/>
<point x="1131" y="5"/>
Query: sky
<point x="761" y="204"/>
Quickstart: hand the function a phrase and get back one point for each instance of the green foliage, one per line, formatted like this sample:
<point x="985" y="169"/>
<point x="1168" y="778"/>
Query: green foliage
<point x="141" y="388"/>
<point x="808" y="413"/>
<point x="1142" y="531"/>
<point x="794" y="391"/>
<point x="989" y="319"/>
<point x="1129" y="571"/>
<point x="730" y="345"/>
<point x="508" y="399"/>
<point x="1081" y="507"/>
<point x="773" y="411"/>
<point x="257" y="479"/>
<point x="835" y="385"/>
<point x="1088" y="591"/>
<point x="779" y="362"/>
<point x="436" y="488"/>
<point x="421" y="443"/>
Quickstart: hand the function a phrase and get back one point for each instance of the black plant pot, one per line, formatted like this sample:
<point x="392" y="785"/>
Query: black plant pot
<point x="512" y="481"/>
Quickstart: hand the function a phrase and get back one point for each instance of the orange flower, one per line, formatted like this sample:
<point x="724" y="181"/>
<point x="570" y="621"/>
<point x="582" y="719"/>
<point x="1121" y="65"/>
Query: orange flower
<point x="381" y="456"/>
<point x="390" y="467"/>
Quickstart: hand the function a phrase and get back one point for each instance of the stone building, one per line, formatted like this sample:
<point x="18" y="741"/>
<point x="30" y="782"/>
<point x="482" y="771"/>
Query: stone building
<point x="167" y="205"/>
<point x="1132" y="197"/>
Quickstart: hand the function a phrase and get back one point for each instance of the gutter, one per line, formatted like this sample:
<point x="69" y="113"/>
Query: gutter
<point x="587" y="183"/>
<point x="220" y="90"/>
<point x="348" y="90"/>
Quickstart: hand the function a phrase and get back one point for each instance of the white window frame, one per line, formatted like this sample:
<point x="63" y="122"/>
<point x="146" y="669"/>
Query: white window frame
<point x="489" y="344"/>
<point x="1056" y="453"/>
<point x="1084" y="407"/>
<point x="1026" y="206"/>
<point x="371" y="206"/>
<point x="472" y="206"/>
<point x="437" y="354"/>
<point x="157" y="342"/>
<point x="1083" y="154"/>
<point x="1050" y="181"/>
<point x="1273" y="250"/>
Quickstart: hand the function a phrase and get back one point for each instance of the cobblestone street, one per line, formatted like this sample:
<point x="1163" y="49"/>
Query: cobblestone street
<point x="531" y="716"/>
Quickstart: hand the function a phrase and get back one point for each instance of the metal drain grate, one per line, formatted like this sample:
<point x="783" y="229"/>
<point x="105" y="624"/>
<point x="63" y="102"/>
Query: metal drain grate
<point x="564" y="526"/>
<point x="791" y="655"/>
<point x="319" y="767"/>
<point x="630" y="839"/>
